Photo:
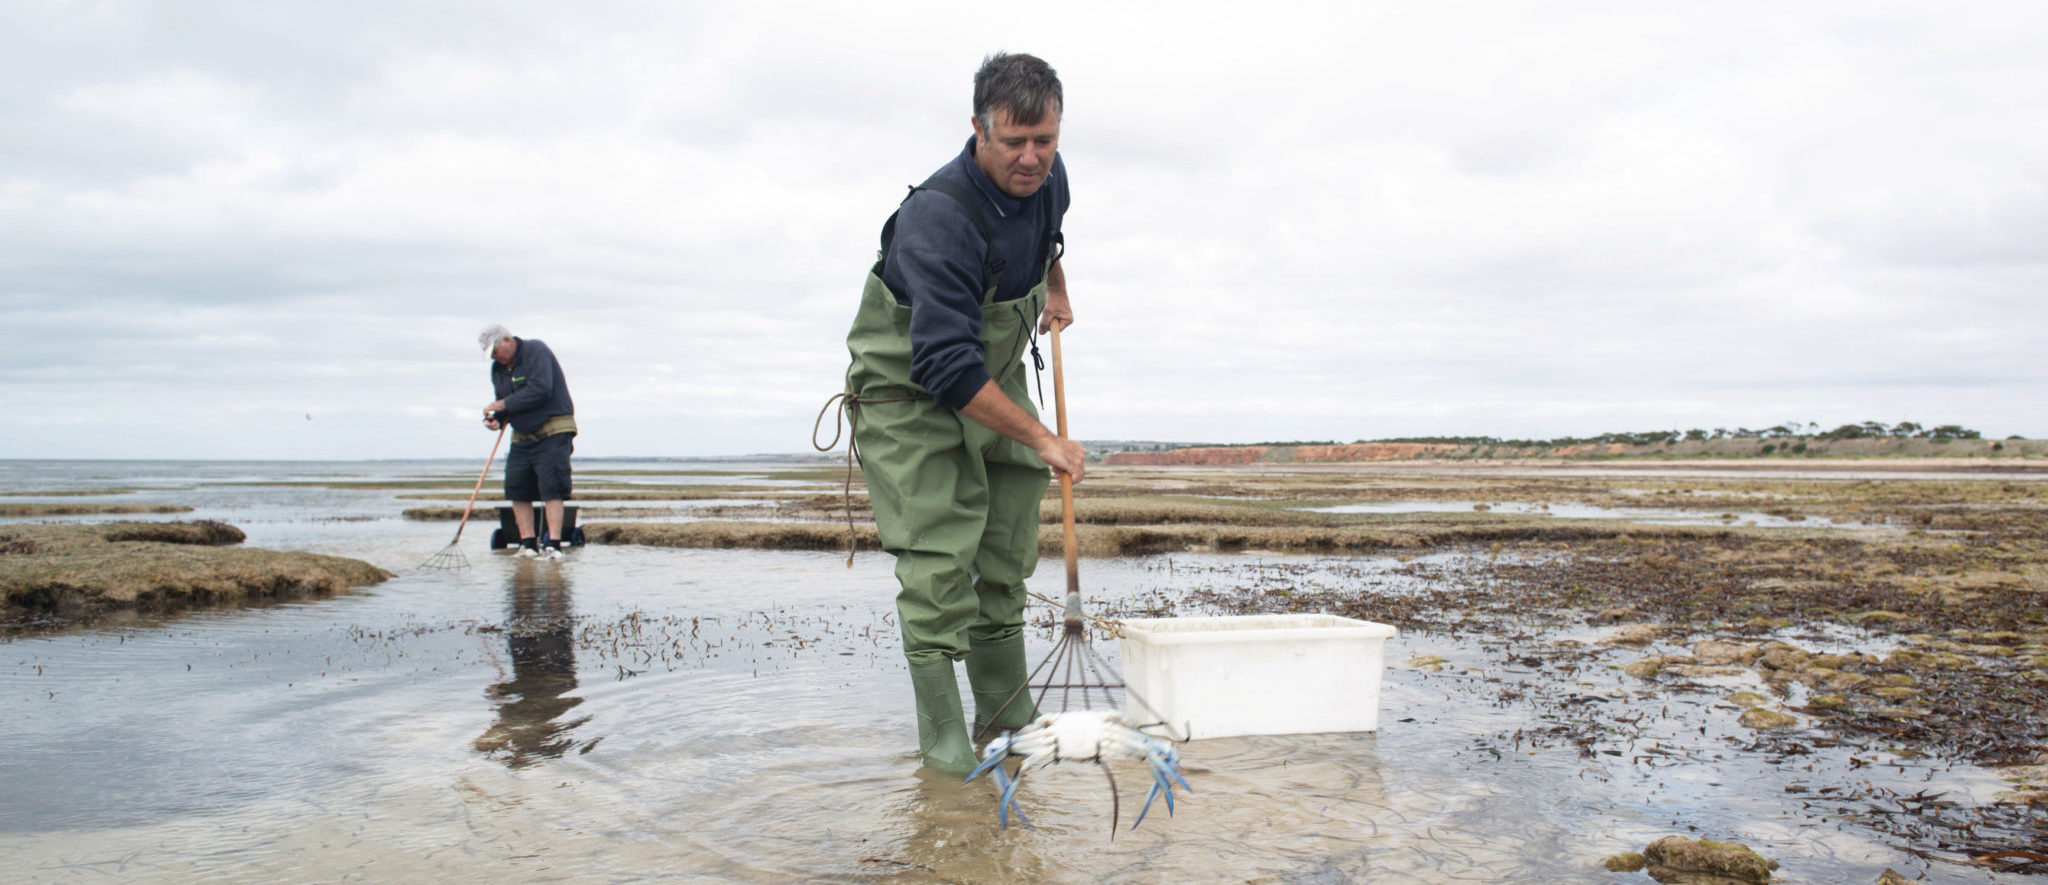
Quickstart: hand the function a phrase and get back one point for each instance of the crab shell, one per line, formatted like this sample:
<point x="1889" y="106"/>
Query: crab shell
<point x="1081" y="736"/>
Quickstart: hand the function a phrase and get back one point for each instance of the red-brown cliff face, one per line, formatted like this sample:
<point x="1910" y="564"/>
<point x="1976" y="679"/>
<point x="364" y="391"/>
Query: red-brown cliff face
<point x="1191" y="457"/>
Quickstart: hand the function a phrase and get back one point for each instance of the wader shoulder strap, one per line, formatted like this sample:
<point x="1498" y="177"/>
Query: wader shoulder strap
<point x="978" y="211"/>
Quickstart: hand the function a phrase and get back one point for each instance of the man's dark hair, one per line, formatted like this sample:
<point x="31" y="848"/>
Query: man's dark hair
<point x="1024" y="84"/>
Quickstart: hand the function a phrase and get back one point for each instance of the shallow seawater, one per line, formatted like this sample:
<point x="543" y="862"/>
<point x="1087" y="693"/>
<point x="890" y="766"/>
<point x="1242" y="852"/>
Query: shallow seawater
<point x="1570" y="510"/>
<point x="710" y="715"/>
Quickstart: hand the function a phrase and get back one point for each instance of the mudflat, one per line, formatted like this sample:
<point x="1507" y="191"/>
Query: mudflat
<point x="1692" y="576"/>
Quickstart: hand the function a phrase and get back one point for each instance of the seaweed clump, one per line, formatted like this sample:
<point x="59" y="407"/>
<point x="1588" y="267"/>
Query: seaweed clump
<point x="74" y="571"/>
<point x="204" y="532"/>
<point x="18" y="510"/>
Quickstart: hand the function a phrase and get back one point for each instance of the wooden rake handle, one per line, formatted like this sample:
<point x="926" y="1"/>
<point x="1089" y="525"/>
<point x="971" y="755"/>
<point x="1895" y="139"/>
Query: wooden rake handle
<point x="1059" y="401"/>
<point x="480" y="482"/>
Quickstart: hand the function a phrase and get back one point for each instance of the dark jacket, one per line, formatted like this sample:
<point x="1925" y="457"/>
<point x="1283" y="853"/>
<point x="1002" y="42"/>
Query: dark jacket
<point x="533" y="387"/>
<point x="935" y="266"/>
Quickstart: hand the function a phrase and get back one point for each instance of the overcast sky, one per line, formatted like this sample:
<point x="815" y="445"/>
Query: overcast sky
<point x="273" y="229"/>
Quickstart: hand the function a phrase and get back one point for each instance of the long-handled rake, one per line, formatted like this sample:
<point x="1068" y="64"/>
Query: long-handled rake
<point x="1073" y="677"/>
<point x="450" y="558"/>
<point x="1098" y="715"/>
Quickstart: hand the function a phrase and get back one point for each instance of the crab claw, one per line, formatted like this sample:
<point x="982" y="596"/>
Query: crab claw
<point x="1149" y="796"/>
<point x="1160" y="786"/>
<point x="1164" y="761"/>
<point x="992" y="757"/>
<point x="1009" y="799"/>
<point x="1161" y="772"/>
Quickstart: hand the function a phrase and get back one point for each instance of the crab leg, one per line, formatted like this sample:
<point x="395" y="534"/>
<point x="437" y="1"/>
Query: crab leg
<point x="993" y="760"/>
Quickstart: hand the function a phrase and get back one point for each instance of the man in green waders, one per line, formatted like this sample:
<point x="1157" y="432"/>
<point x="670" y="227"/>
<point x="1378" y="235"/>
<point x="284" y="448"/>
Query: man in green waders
<point x="953" y="452"/>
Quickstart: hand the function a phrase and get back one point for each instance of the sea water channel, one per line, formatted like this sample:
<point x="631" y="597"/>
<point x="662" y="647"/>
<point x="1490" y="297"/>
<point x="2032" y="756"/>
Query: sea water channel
<point x="663" y="715"/>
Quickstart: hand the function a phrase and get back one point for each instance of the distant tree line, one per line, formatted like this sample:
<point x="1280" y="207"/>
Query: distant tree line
<point x="1865" y="430"/>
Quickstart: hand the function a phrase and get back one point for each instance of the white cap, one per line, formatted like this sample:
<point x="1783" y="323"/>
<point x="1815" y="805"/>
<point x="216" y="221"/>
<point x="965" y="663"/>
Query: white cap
<point x="490" y="337"/>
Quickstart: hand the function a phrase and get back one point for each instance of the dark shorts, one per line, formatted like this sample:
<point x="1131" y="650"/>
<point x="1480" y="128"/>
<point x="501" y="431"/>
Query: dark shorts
<point x="538" y="469"/>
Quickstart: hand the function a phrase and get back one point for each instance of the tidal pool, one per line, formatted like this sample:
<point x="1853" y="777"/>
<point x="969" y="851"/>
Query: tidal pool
<point x="640" y="714"/>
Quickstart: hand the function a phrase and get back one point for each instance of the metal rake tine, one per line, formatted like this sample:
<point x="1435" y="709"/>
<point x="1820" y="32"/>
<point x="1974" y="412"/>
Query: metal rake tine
<point x="449" y="559"/>
<point x="451" y="556"/>
<point x="1063" y="661"/>
<point x="1032" y="681"/>
<point x="1077" y="674"/>
<point x="1153" y="717"/>
<point x="1096" y="665"/>
<point x="1106" y="685"/>
<point x="1051" y="666"/>
<point x="1067" y="677"/>
<point x="1077" y="671"/>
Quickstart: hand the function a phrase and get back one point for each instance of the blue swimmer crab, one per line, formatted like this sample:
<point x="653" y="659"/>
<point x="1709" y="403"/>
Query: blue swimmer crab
<point x="1081" y="736"/>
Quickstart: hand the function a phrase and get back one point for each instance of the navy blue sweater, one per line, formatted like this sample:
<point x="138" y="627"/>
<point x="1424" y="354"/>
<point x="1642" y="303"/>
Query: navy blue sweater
<point x="934" y="265"/>
<point x="533" y="387"/>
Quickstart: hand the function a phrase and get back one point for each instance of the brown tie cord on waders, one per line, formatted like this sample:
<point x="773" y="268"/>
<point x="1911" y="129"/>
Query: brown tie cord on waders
<point x="450" y="557"/>
<point x="843" y="421"/>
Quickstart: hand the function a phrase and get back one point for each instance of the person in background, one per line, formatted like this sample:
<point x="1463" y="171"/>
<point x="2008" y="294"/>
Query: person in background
<point x="953" y="452"/>
<point x="533" y="398"/>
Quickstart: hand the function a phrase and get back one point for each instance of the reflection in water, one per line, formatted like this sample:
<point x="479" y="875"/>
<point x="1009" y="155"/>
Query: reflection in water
<point x="943" y="831"/>
<point x="1263" y="809"/>
<point x="532" y="704"/>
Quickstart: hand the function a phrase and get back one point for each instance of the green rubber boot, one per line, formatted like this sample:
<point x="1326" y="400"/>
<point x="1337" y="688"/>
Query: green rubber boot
<point x="941" y="729"/>
<point x="996" y="672"/>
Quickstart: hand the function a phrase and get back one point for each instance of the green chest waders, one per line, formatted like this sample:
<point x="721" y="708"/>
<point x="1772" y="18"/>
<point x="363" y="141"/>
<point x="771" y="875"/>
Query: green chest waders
<point x="957" y="504"/>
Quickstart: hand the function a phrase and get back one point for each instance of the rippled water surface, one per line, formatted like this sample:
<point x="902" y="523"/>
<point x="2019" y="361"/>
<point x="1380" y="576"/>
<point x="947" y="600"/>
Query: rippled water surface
<point x="636" y="714"/>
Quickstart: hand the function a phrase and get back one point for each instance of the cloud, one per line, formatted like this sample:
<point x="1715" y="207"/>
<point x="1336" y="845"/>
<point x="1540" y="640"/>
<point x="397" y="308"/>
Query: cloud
<point x="1309" y="221"/>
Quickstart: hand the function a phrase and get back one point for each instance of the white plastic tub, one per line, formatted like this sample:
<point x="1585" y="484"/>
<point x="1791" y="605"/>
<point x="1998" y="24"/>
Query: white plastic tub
<point x="1255" y="674"/>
